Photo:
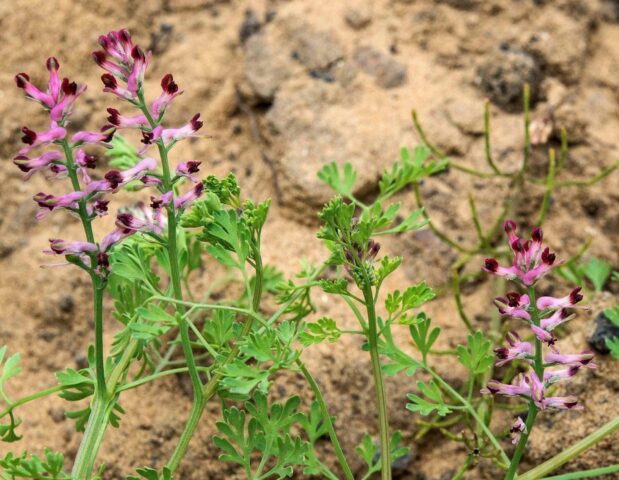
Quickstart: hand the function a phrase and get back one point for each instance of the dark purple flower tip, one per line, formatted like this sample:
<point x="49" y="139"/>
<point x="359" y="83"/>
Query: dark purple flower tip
<point x="196" y="124"/>
<point x="29" y="136"/>
<point x="156" y="203"/>
<point x="124" y="36"/>
<point x="52" y="64"/>
<point x="137" y="53"/>
<point x="491" y="265"/>
<point x="373" y="248"/>
<point x="109" y="131"/>
<point x="491" y="388"/>
<point x="109" y="81"/>
<point x="513" y="299"/>
<point x="114" y="117"/>
<point x="69" y="88"/>
<point x="547" y="257"/>
<point x="114" y="177"/>
<point x="168" y="84"/>
<point x="518" y="246"/>
<point x="573" y="370"/>
<point x="99" y="57"/>
<point x="103" y="41"/>
<point x="193" y="166"/>
<point x="103" y="260"/>
<point x="147" y="138"/>
<point x="22" y="79"/>
<point x="576" y="296"/>
<point x="21" y="162"/>
<point x="570" y="404"/>
<point x="90" y="161"/>
<point x="537" y="234"/>
<point x="501" y="353"/>
<point x="101" y="205"/>
<point x="509" y="226"/>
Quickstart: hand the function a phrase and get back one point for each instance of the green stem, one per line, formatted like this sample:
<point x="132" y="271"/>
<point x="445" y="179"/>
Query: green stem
<point x="487" y="138"/>
<point x="175" y="277"/>
<point x="594" y="472"/>
<point x="29" y="398"/>
<point x="550" y="184"/>
<point x="572" y="452"/>
<point x="538" y="366"/>
<point x="385" y="449"/>
<point x="326" y="418"/>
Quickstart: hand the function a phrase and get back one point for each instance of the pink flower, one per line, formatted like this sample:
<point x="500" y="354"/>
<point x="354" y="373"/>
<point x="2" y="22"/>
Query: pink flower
<point x="553" y="376"/>
<point x="558" y="303"/>
<point x="115" y="179"/>
<point x="70" y="92"/>
<point x="514" y="305"/>
<point x="32" y="165"/>
<point x="584" y="359"/>
<point x="188" y="198"/>
<point x="33" y="139"/>
<point x="170" y="91"/>
<point x="23" y="81"/>
<point x="48" y="203"/>
<point x="61" y="247"/>
<point x="111" y="86"/>
<point x="140" y="62"/>
<point x="561" y="403"/>
<point x="517" y="429"/>
<point x="117" y="45"/>
<point x="118" y="120"/>
<point x="103" y="136"/>
<point x="186" y="131"/>
<point x="187" y="169"/>
<point x="530" y="263"/>
<point x="518" y="350"/>
<point x="522" y="388"/>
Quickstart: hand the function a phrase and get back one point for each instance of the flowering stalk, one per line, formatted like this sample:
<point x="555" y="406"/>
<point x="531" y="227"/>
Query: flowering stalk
<point x="531" y="262"/>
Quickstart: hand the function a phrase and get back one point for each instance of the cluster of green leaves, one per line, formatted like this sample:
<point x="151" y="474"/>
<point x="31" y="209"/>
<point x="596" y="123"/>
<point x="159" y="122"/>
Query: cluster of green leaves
<point x="34" y="467"/>
<point x="268" y="431"/>
<point x="370" y="453"/>
<point x="595" y="270"/>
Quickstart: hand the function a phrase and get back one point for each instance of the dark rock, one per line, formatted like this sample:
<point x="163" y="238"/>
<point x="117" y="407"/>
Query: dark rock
<point x="251" y="25"/>
<point x="317" y="50"/>
<point x="387" y="71"/>
<point x="265" y="66"/>
<point x="604" y="329"/>
<point x="160" y="40"/>
<point x="505" y="72"/>
<point x="66" y="304"/>
<point x="358" y="18"/>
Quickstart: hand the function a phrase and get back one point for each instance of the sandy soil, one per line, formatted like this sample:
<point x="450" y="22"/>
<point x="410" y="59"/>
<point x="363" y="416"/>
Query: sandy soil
<point x="284" y="89"/>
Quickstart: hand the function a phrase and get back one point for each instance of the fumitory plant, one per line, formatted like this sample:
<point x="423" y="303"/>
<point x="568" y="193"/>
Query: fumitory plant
<point x="235" y="348"/>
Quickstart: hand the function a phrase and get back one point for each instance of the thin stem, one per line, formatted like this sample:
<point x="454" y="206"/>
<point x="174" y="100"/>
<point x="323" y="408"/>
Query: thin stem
<point x="572" y="452"/>
<point x="483" y="242"/>
<point x="487" y="138"/>
<point x="455" y="285"/>
<point x="564" y="151"/>
<point x="595" y="472"/>
<point x="526" y="101"/>
<point x="29" y="398"/>
<point x="326" y="418"/>
<point x="538" y="366"/>
<point x="550" y="184"/>
<point x="385" y="449"/>
<point x="589" y="181"/>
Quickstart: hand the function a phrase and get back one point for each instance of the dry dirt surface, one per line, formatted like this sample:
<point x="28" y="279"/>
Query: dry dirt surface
<point x="284" y="87"/>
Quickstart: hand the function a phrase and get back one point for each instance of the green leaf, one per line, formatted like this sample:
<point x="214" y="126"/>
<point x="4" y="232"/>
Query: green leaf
<point x="122" y="154"/>
<point x="34" y="467"/>
<point x="613" y="346"/>
<point x="323" y="329"/>
<point x="9" y="367"/>
<point x="432" y="402"/>
<point x="477" y="355"/>
<point x="342" y="183"/>
<point x="337" y="286"/>
<point x="598" y="271"/>
<point x="148" y="473"/>
<point x="612" y="314"/>
<point x="416" y="296"/>
<point x="423" y="336"/>
<point x="387" y="267"/>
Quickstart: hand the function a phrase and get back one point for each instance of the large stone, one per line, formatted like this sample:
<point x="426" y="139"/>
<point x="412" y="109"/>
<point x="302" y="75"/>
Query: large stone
<point x="387" y="71"/>
<point x="266" y="66"/>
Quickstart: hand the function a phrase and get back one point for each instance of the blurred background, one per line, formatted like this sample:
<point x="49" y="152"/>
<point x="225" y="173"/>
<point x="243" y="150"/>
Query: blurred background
<point x="283" y="88"/>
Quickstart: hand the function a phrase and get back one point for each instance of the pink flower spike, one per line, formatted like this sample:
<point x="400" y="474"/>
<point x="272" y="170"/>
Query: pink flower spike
<point x="564" y="302"/>
<point x="31" y="165"/>
<point x="514" y="305"/>
<point x="492" y="266"/>
<point x="33" y="139"/>
<point x="188" y="198"/>
<point x="584" y="359"/>
<point x="119" y="121"/>
<point x="61" y="247"/>
<point x="48" y="203"/>
<point x="110" y="67"/>
<point x="518" y="350"/>
<point x="170" y="91"/>
<point x="186" y="131"/>
<point x="117" y="45"/>
<point x="517" y="429"/>
<point x="23" y="81"/>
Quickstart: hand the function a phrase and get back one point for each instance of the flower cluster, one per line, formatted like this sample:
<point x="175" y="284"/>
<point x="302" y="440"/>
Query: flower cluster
<point x="543" y="316"/>
<point x="69" y="156"/>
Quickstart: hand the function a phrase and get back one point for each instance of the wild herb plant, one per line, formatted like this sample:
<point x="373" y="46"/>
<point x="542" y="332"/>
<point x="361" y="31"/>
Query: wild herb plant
<point x="232" y="348"/>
